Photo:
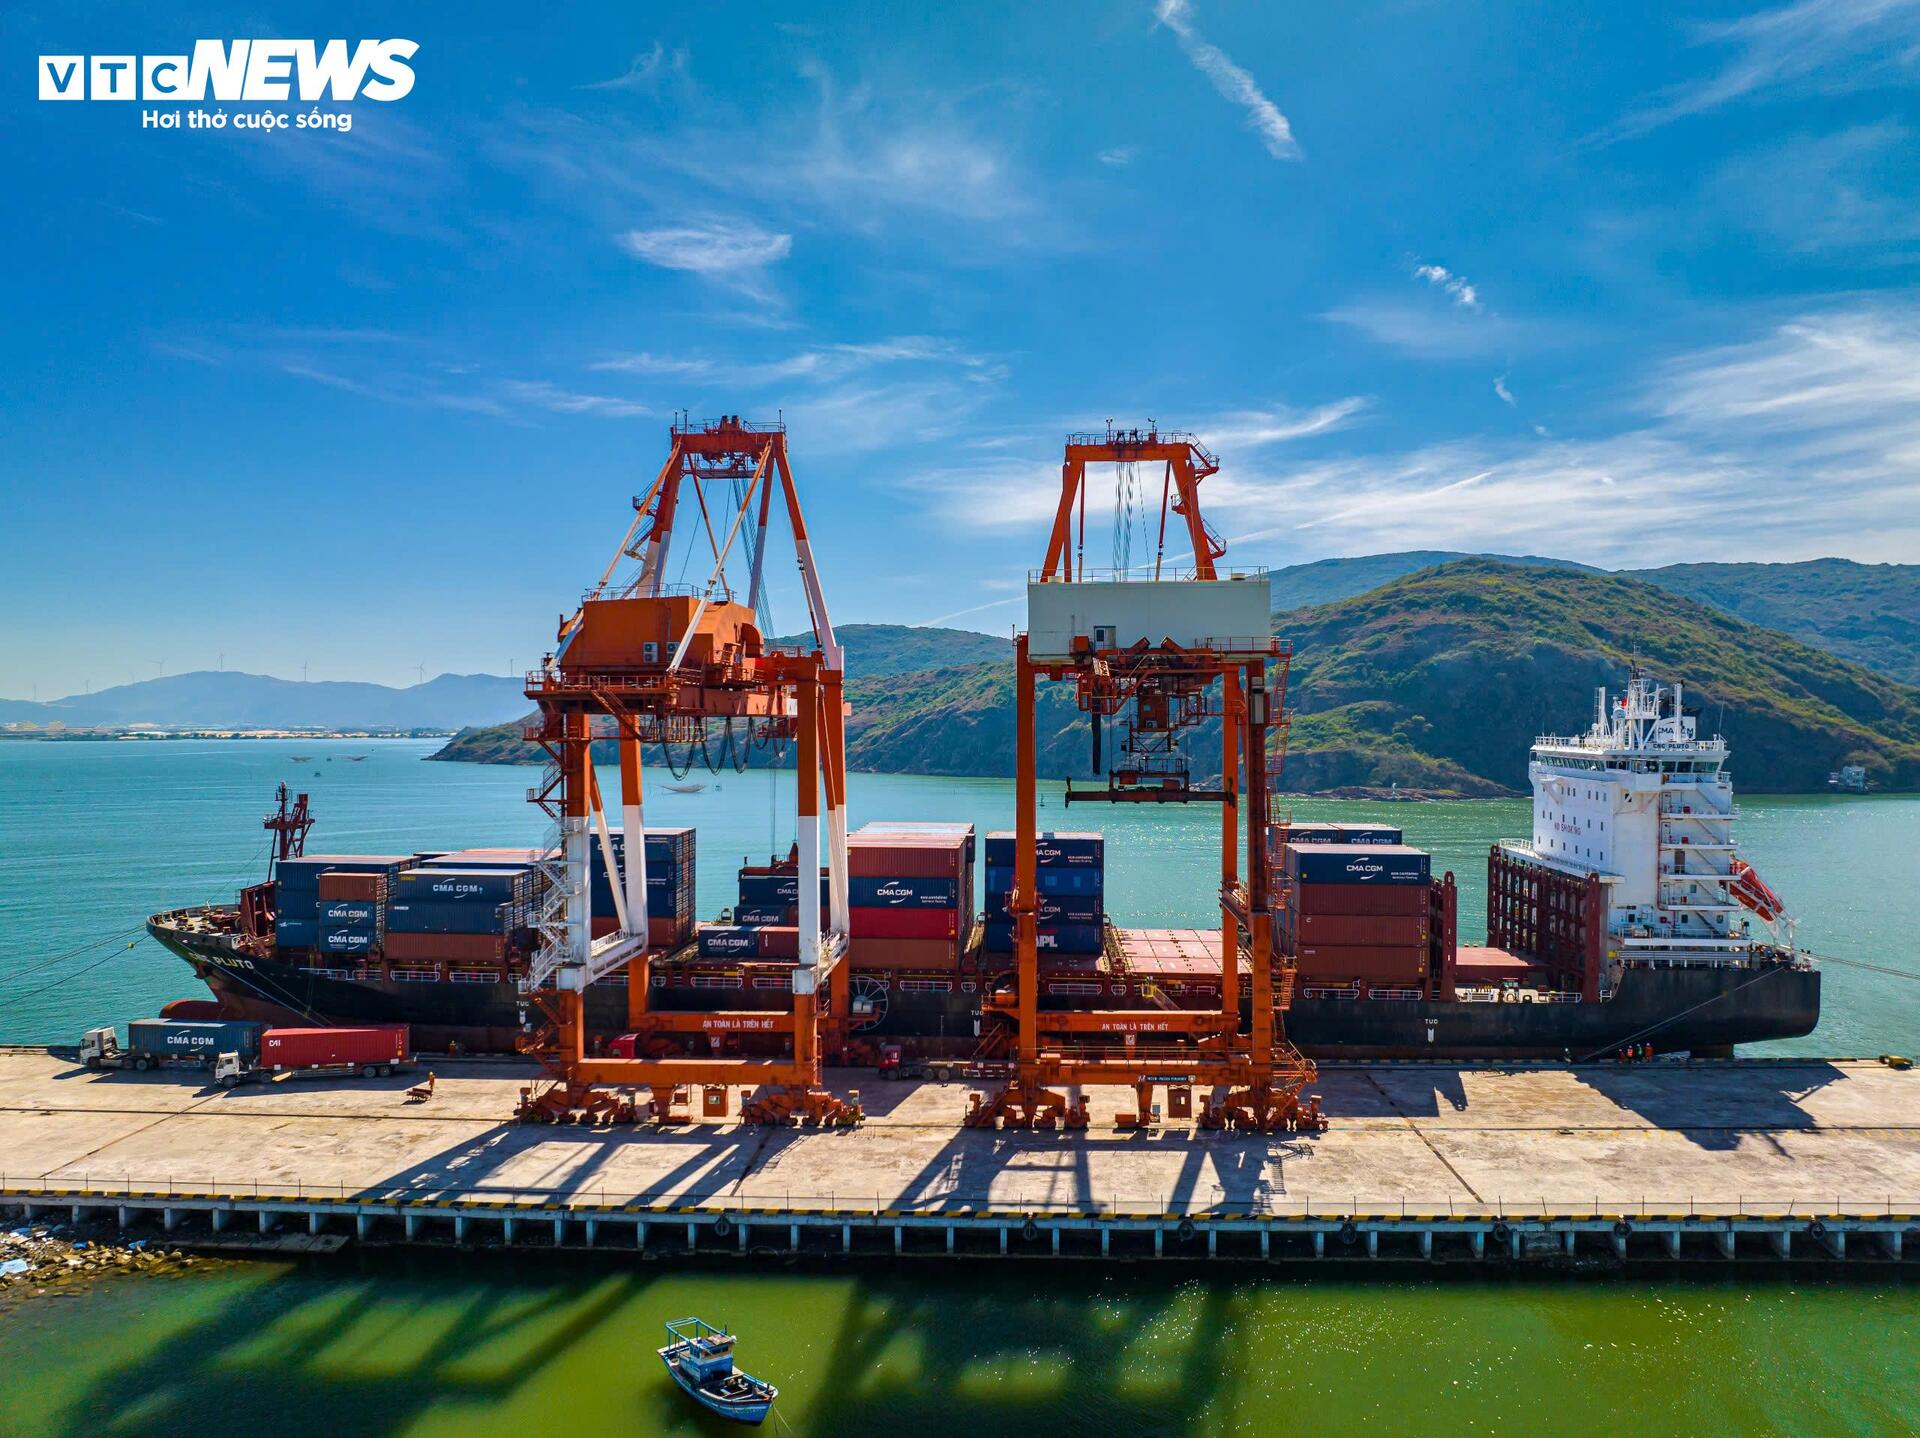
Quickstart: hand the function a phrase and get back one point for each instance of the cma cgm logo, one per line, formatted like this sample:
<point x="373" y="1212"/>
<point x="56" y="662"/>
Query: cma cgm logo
<point x="238" y="70"/>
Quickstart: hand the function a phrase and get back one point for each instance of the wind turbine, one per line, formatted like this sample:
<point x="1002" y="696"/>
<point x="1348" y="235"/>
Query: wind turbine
<point x="421" y="669"/>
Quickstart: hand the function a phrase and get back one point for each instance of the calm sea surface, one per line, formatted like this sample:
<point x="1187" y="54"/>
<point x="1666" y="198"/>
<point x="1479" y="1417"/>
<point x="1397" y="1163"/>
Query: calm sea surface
<point x="95" y="836"/>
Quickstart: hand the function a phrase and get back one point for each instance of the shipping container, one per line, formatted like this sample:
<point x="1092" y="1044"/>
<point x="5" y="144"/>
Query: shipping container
<point x="1054" y="850"/>
<point x="1083" y="882"/>
<point x="1053" y="909"/>
<point x="348" y="941"/>
<point x="1377" y="864"/>
<point x="963" y="834"/>
<point x="194" y="1039"/>
<point x="373" y="1045"/>
<point x="404" y="949"/>
<point x="480" y="888"/>
<point x="351" y="913"/>
<point x="902" y="893"/>
<point x="911" y="857"/>
<point x="780" y="888"/>
<point x="728" y="941"/>
<point x="1369" y="899"/>
<point x="296" y="933"/>
<point x="1059" y="938"/>
<point x="1366" y="961"/>
<point x="895" y="954"/>
<point x="341" y="884"/>
<point x="766" y="914"/>
<point x="904" y="923"/>
<point x="455" y="918"/>
<point x="662" y="933"/>
<point x="1359" y="928"/>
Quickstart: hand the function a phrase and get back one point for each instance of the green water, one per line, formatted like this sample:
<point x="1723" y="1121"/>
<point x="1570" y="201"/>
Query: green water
<point x="424" y="1349"/>
<point x="94" y="836"/>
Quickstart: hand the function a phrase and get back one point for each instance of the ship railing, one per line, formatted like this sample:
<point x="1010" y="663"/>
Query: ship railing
<point x="755" y="1201"/>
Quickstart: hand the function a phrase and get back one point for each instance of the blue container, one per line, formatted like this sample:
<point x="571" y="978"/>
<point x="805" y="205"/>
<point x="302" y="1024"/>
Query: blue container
<point x="729" y="941"/>
<point x="194" y="1039"/>
<point x="348" y="941"/>
<point x="764" y="914"/>
<point x="456" y="918"/>
<point x="775" y="888"/>
<point x="1051" y="881"/>
<point x="296" y="933"/>
<point x="350" y="914"/>
<point x="1051" y="938"/>
<point x="1369" y="834"/>
<point x="478" y="888"/>
<point x="1380" y="864"/>
<point x="1055" y="850"/>
<point x="1054" y="909"/>
<point x="902" y="893"/>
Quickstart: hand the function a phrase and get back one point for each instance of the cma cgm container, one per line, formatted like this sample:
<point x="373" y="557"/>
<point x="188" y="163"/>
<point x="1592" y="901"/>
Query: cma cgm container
<point x="372" y="1047"/>
<point x="1380" y="864"/>
<point x="193" y="1041"/>
<point x="738" y="941"/>
<point x="1055" y="850"/>
<point x="480" y="888"/>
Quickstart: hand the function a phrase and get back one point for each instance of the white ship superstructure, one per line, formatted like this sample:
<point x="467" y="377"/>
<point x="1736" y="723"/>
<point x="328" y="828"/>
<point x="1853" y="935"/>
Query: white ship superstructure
<point x="1644" y="802"/>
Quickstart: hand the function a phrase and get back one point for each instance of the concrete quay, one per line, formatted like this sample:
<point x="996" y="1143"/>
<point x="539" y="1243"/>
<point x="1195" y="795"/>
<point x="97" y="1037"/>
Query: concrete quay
<point x="1715" y="1162"/>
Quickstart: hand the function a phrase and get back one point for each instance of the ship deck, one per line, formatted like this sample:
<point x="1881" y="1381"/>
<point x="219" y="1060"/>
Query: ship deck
<point x="1760" y="1147"/>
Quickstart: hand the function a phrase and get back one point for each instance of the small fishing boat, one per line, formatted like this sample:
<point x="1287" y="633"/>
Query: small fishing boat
<point x="700" y="1358"/>
<point x="685" y="788"/>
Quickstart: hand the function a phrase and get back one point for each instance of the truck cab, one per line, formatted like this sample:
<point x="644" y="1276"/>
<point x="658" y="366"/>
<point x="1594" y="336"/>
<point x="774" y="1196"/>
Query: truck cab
<point x="100" y="1048"/>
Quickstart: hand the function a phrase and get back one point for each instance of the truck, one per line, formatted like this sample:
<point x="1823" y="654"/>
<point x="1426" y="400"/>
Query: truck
<point x="371" y="1050"/>
<point x="171" y="1043"/>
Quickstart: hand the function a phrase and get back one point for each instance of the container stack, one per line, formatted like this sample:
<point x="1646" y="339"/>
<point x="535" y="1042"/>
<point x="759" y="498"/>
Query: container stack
<point x="1072" y="882"/>
<point x="297" y="918"/>
<point x="910" y="895"/>
<point x="766" y="917"/>
<point x="1357" y="915"/>
<point x="459" y="915"/>
<point x="670" y="886"/>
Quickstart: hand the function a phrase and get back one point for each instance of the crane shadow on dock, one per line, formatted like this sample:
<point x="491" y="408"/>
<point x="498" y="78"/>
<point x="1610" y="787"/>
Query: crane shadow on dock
<point x="1715" y="1107"/>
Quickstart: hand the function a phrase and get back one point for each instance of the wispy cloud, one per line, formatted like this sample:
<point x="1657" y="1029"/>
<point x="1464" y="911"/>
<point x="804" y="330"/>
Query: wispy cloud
<point x="1500" y="388"/>
<point x="645" y="71"/>
<point x="1233" y="83"/>
<point x="1119" y="156"/>
<point x="818" y="363"/>
<point x="1440" y="277"/>
<point x="1822" y="193"/>
<point x="1811" y="44"/>
<point x="1801" y="442"/>
<point x="545" y="395"/>
<point x="1244" y="430"/>
<point x="1427" y="330"/>
<point x="717" y="248"/>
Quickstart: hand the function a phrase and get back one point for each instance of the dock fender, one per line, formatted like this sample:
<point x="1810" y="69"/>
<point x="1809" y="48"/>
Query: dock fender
<point x="1622" y="1228"/>
<point x="1818" y="1228"/>
<point x="1348" y="1232"/>
<point x="1030" y="1230"/>
<point x="1185" y="1230"/>
<point x="1501" y="1233"/>
<point x="722" y="1226"/>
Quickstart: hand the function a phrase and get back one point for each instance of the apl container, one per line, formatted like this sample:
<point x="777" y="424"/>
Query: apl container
<point x="1085" y="882"/>
<point x="1055" y="938"/>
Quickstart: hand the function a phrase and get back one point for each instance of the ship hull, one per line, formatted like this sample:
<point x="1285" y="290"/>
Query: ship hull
<point x="1702" y="1009"/>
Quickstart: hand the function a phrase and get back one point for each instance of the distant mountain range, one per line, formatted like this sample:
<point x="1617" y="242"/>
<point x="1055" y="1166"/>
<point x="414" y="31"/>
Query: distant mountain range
<point x="224" y="699"/>
<point x="1437" y="681"/>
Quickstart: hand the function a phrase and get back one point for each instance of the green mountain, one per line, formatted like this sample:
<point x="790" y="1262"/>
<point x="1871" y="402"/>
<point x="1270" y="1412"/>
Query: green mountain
<point x="1437" y="681"/>
<point x="1869" y="613"/>
<point x="1325" y="580"/>
<point x="880" y="649"/>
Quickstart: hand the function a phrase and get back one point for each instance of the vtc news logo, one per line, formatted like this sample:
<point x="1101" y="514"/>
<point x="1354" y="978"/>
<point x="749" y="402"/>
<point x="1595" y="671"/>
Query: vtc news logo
<point x="238" y="70"/>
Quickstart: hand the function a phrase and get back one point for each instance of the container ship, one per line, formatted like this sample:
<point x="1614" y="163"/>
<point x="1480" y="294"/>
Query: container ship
<point x="1627" y="919"/>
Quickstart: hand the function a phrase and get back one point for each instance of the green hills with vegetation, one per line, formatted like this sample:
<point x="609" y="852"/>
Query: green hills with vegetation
<point x="1436" y="681"/>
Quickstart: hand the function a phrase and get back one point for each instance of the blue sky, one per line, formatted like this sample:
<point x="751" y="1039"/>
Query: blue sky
<point x="1631" y="284"/>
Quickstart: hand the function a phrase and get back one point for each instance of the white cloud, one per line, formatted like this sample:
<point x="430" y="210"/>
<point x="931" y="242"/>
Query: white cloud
<point x="544" y="395"/>
<point x="1119" y="156"/>
<point x="1439" y="276"/>
<point x="1425" y="330"/>
<point x="1233" y="83"/>
<point x="1239" y="432"/>
<point x="1800" y="443"/>
<point x="1500" y="388"/>
<point x="708" y="249"/>
<point x="1817" y="44"/>
<point x="645" y="71"/>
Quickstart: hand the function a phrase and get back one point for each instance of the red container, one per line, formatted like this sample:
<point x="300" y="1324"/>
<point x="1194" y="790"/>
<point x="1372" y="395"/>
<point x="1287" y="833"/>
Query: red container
<point x="1386" y="929"/>
<point x="904" y="923"/>
<point x="367" y="888"/>
<point x="319" y="1048"/>
<point x="1362" y="961"/>
<point x="777" y="941"/>
<point x="662" y="933"/>
<point x="1369" y="900"/>
<point x="898" y="857"/>
<point x="420" y="950"/>
<point x="904" y="954"/>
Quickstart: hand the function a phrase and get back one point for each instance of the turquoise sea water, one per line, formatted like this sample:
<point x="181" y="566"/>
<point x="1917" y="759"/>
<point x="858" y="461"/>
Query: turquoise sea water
<point x="95" y="836"/>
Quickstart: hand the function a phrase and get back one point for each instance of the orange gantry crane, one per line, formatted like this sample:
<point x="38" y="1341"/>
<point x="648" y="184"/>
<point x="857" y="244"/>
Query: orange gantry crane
<point x="653" y="662"/>
<point x="1154" y="646"/>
